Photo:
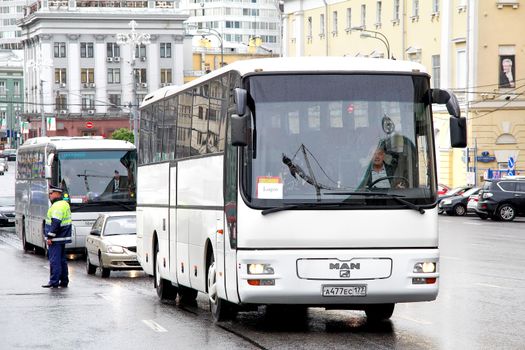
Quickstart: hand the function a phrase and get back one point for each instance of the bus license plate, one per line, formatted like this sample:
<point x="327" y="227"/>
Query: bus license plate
<point x="345" y="291"/>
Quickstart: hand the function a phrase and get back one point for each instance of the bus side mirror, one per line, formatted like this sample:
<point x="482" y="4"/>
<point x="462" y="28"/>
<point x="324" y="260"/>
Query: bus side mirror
<point x="239" y="128"/>
<point x="448" y="98"/>
<point x="240" y="98"/>
<point x="458" y="132"/>
<point x="47" y="170"/>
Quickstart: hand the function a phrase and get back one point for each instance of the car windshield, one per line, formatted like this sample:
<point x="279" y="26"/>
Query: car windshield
<point x="7" y="201"/>
<point x="322" y="138"/>
<point x="95" y="176"/>
<point x="470" y="192"/>
<point x="122" y="225"/>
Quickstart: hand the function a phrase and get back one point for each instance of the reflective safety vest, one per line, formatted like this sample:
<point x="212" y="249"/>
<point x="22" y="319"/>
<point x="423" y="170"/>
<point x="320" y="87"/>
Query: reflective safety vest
<point x="58" y="222"/>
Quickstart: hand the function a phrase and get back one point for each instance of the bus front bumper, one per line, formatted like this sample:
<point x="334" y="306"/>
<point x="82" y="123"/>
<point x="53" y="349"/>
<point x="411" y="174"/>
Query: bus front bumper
<point x="337" y="277"/>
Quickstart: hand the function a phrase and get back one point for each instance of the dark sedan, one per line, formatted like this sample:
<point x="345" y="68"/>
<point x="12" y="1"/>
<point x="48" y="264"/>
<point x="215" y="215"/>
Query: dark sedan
<point x="457" y="205"/>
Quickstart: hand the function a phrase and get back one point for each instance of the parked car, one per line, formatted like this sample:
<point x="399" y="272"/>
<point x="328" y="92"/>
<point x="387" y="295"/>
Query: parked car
<point x="5" y="164"/>
<point x="472" y="203"/>
<point x="502" y="199"/>
<point x="9" y="154"/>
<point x="457" y="205"/>
<point x="112" y="244"/>
<point x="451" y="193"/>
<point x="442" y="189"/>
<point x="7" y="211"/>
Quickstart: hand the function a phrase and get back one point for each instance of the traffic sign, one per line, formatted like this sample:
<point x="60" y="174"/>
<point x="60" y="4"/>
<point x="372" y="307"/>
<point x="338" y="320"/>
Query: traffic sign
<point x="511" y="166"/>
<point x="89" y="125"/>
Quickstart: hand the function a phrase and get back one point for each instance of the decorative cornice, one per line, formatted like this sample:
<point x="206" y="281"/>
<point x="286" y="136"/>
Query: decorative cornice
<point x="73" y="37"/>
<point x="100" y="37"/>
<point x="178" y="38"/>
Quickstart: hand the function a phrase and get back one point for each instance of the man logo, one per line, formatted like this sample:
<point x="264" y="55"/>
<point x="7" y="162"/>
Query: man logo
<point x="344" y="273"/>
<point x="345" y="266"/>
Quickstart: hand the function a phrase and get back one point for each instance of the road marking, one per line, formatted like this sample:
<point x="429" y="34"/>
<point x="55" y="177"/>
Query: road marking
<point x="491" y="285"/>
<point x="473" y="223"/>
<point x="155" y="326"/>
<point x="423" y="322"/>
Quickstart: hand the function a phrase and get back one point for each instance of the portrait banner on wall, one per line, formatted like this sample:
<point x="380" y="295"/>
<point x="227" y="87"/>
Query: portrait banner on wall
<point x="507" y="71"/>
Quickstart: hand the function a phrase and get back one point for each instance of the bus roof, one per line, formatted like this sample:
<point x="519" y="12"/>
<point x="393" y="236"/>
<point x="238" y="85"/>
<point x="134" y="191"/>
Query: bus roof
<point x="78" y="142"/>
<point x="296" y="65"/>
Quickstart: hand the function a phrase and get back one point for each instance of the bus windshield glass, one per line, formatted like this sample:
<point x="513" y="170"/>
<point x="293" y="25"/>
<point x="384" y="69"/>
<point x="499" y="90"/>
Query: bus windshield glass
<point x="98" y="176"/>
<point x="348" y="139"/>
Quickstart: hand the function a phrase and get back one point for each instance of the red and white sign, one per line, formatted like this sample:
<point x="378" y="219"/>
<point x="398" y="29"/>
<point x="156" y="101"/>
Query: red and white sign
<point x="269" y="187"/>
<point x="89" y="125"/>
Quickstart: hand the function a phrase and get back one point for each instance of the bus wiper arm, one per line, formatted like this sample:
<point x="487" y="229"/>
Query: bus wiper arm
<point x="302" y="206"/>
<point x="395" y="197"/>
<point x="297" y="170"/>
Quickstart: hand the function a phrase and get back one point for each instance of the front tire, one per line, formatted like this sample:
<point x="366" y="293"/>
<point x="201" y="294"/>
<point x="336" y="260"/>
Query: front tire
<point x="105" y="272"/>
<point x="221" y="310"/>
<point x="460" y="210"/>
<point x="379" y="312"/>
<point x="506" y="212"/>
<point x="165" y="290"/>
<point x="90" y="268"/>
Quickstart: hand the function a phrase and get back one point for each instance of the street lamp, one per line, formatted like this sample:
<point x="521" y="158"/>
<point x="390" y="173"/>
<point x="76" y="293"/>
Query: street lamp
<point x="215" y="33"/>
<point x="133" y="39"/>
<point x="365" y="33"/>
<point x="39" y="64"/>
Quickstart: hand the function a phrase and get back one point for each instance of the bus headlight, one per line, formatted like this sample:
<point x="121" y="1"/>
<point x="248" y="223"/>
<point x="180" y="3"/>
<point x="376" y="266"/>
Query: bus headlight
<point x="425" y="267"/>
<point x="260" y="269"/>
<point x="115" y="249"/>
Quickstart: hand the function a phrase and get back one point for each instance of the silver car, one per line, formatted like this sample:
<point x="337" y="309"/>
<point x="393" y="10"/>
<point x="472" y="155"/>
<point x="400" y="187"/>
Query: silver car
<point x="112" y="244"/>
<point x="7" y="211"/>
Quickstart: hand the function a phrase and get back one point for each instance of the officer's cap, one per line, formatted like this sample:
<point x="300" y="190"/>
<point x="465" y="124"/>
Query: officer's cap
<point x="54" y="189"/>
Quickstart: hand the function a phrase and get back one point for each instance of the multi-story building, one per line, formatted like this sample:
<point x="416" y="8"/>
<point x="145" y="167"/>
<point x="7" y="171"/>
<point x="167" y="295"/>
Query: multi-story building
<point x="11" y="96"/>
<point x="242" y="22"/>
<point x="472" y="47"/>
<point x="77" y="71"/>
<point x="10" y="34"/>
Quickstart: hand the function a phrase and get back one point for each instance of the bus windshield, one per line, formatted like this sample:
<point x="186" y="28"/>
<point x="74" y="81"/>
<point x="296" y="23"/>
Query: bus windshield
<point x="98" y="176"/>
<point x="349" y="139"/>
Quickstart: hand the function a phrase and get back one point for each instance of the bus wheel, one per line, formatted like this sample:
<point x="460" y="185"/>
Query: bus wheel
<point x="221" y="310"/>
<point x="379" y="312"/>
<point x="187" y="295"/>
<point x="25" y="245"/>
<point x="165" y="290"/>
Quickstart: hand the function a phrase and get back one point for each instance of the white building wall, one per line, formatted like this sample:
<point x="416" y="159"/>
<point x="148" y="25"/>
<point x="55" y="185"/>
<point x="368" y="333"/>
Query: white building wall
<point x="101" y="68"/>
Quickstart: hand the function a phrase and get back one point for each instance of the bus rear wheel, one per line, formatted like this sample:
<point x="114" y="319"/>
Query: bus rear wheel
<point x="379" y="312"/>
<point x="165" y="290"/>
<point x="221" y="310"/>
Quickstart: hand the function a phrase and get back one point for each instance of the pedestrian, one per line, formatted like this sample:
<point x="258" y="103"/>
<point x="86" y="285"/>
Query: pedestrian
<point x="57" y="234"/>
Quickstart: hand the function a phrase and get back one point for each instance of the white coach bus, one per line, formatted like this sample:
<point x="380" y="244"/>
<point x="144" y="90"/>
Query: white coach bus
<point x="255" y="185"/>
<point x="85" y="168"/>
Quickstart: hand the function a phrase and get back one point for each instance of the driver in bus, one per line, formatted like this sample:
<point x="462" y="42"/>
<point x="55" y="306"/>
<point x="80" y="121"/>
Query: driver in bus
<point x="380" y="174"/>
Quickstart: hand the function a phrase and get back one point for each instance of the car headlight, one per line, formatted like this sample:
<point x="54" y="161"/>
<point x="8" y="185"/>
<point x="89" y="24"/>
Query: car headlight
<point x="115" y="249"/>
<point x="446" y="202"/>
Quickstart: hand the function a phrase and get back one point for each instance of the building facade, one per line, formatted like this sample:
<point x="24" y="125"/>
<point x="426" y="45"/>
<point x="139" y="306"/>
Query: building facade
<point x="468" y="46"/>
<point x="77" y="70"/>
<point x="10" y="33"/>
<point x="11" y="97"/>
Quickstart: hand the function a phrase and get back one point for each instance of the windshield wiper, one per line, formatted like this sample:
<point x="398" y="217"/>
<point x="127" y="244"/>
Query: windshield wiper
<point x="304" y="206"/>
<point x="395" y="197"/>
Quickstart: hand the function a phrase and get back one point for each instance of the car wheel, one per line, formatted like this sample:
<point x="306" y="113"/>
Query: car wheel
<point x="221" y="310"/>
<point x="379" y="312"/>
<point x="105" y="272"/>
<point x="506" y="212"/>
<point x="165" y="290"/>
<point x="90" y="268"/>
<point x="460" y="210"/>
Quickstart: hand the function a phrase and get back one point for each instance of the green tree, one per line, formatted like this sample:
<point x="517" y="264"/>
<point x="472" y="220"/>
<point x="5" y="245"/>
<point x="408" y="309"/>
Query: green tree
<point x="123" y="134"/>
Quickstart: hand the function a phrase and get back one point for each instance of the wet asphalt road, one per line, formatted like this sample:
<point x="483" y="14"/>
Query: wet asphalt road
<point x="481" y="305"/>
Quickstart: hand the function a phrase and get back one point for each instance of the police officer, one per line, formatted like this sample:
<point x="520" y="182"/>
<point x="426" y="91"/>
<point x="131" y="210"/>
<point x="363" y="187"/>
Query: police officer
<point x="57" y="234"/>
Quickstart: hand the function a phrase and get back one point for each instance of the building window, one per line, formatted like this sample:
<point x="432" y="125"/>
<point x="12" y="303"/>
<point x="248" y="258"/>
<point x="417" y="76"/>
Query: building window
<point x="334" y="23"/>
<point x="140" y="75"/>
<point x="321" y="25"/>
<point x="113" y="50"/>
<point x="113" y="75"/>
<point x="309" y="28"/>
<point x="16" y="88"/>
<point x="140" y="51"/>
<point x="348" y="18"/>
<point x="87" y="75"/>
<point x="461" y="77"/>
<point x="165" y="50"/>
<point x="363" y="16"/>
<point x="59" y="50"/>
<point x="435" y="6"/>
<point x="378" y="13"/>
<point x="114" y="101"/>
<point x="415" y="8"/>
<point x="61" y="102"/>
<point x="436" y="71"/>
<point x="86" y="50"/>
<point x="2" y="87"/>
<point x="88" y="101"/>
<point x="60" y="76"/>
<point x="165" y="76"/>
<point x="395" y="15"/>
